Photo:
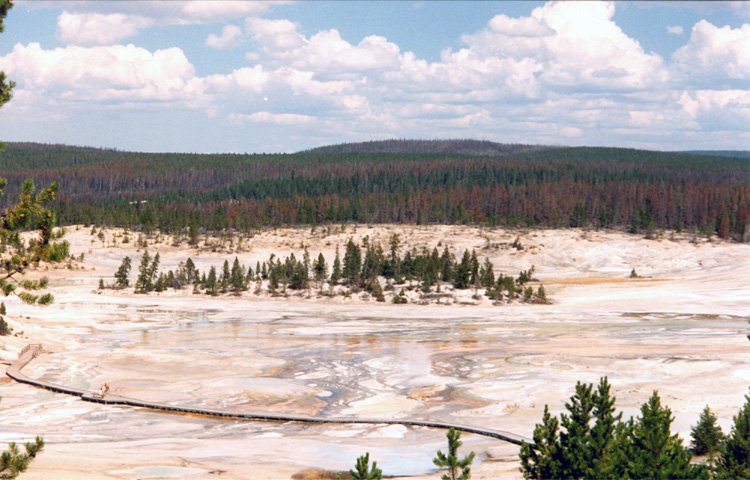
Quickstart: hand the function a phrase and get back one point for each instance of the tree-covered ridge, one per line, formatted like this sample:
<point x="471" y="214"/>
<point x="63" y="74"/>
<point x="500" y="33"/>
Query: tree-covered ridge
<point x="452" y="146"/>
<point x="561" y="187"/>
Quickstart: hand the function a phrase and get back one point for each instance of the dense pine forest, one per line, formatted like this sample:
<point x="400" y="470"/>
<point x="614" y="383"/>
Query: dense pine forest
<point x="392" y="182"/>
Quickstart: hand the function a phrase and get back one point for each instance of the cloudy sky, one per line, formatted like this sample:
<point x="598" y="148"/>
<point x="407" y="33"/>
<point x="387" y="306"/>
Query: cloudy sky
<point x="240" y="76"/>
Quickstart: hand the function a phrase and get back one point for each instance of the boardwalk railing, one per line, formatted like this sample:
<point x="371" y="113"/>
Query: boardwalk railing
<point x="32" y="351"/>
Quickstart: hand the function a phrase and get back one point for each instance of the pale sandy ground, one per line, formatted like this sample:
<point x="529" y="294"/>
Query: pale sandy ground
<point x="679" y="328"/>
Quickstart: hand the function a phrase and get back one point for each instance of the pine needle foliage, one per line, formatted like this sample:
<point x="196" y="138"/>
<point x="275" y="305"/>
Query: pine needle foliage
<point x="734" y="461"/>
<point x="13" y="461"/>
<point x="706" y="434"/>
<point x="457" y="469"/>
<point x="363" y="470"/>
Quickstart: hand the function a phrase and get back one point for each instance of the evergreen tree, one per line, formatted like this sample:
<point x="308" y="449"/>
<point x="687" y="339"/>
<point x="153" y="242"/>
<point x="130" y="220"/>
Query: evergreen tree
<point x="28" y="213"/>
<point x="363" y="471"/>
<point x="647" y="449"/>
<point x="212" y="284"/>
<point x="4" y="327"/>
<point x="352" y="263"/>
<point x="121" y="275"/>
<point x="734" y="461"/>
<point x="544" y="458"/>
<point x="19" y="253"/>
<point x="226" y="275"/>
<point x="474" y="280"/>
<point x="581" y="450"/>
<point x="191" y="271"/>
<point x="237" y="277"/>
<point x="457" y="469"/>
<point x="336" y="273"/>
<point x="462" y="273"/>
<point x="320" y="269"/>
<point x="487" y="274"/>
<point x="13" y="461"/>
<point x="3" y="310"/>
<point x="706" y="434"/>
<point x="153" y="271"/>
<point x="143" y="282"/>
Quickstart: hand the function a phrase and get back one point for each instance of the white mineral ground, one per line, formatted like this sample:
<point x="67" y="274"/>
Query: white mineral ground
<point x="680" y="328"/>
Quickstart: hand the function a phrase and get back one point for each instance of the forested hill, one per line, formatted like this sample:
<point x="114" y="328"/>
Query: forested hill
<point x="722" y="153"/>
<point x="455" y="147"/>
<point x="553" y="187"/>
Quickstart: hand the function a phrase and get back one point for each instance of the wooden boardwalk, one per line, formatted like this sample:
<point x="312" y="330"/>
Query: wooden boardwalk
<point x="32" y="351"/>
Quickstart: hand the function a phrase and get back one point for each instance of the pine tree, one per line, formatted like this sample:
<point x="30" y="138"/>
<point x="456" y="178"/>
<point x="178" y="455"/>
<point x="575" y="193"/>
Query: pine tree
<point x="706" y="434"/>
<point x="226" y="275"/>
<point x="336" y="273"/>
<point x="363" y="471"/>
<point x="143" y="282"/>
<point x="487" y="274"/>
<point x="647" y="448"/>
<point x="734" y="461"/>
<point x="237" y="277"/>
<point x="451" y="461"/>
<point x="462" y="273"/>
<point x="13" y="461"/>
<point x="543" y="459"/>
<point x="212" y="286"/>
<point x="28" y="212"/>
<point x="352" y="263"/>
<point x="3" y="310"/>
<point x="581" y="450"/>
<point x="320" y="269"/>
<point x="121" y="276"/>
<point x="4" y="327"/>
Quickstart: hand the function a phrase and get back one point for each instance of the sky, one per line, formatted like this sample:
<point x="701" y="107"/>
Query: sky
<point x="249" y="77"/>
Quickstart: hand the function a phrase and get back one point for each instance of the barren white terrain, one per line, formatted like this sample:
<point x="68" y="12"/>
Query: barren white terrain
<point x="679" y="327"/>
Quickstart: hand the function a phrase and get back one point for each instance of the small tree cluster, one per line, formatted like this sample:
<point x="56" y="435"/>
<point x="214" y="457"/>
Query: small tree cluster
<point x="591" y="442"/>
<point x="455" y="468"/>
<point x="356" y="271"/>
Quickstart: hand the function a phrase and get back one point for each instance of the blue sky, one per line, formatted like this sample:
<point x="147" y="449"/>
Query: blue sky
<point x="237" y="76"/>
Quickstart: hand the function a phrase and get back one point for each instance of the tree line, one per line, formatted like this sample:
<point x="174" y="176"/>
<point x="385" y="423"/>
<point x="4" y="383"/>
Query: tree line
<point x="560" y="187"/>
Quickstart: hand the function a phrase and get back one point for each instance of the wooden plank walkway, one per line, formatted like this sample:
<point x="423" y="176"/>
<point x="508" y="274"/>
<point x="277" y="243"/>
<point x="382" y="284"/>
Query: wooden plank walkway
<point x="32" y="351"/>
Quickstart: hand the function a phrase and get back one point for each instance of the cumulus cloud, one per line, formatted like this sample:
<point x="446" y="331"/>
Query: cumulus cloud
<point x="564" y="71"/>
<point x="229" y="38"/>
<point x="98" y="29"/>
<point x="575" y="44"/>
<point x="280" y="42"/>
<point x="716" y="54"/>
<point x="104" y="74"/>
<point x="106" y="23"/>
<point x="704" y="101"/>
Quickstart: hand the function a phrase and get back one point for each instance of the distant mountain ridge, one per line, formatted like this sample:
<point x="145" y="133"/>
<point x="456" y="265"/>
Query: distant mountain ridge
<point x="450" y="146"/>
<point x="721" y="153"/>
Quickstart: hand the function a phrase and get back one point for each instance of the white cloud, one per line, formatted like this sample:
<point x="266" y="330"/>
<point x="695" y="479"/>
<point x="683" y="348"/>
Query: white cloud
<point x="676" y="30"/>
<point x="104" y="74"/>
<point x="268" y="117"/>
<point x="229" y="38"/>
<point x="106" y="23"/>
<point x="254" y="79"/>
<point x="705" y="101"/>
<point x="97" y="29"/>
<point x="716" y="54"/>
<point x="274" y="36"/>
<point x="279" y="42"/>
